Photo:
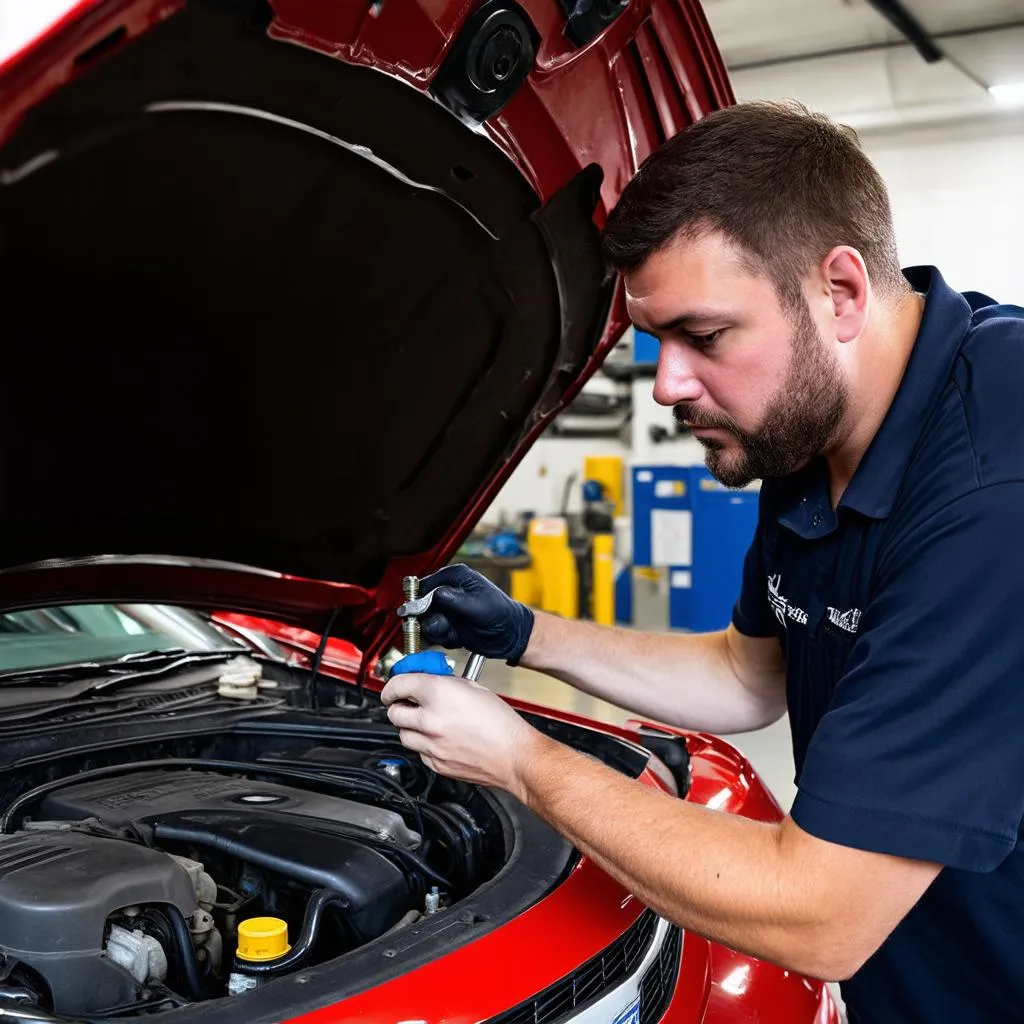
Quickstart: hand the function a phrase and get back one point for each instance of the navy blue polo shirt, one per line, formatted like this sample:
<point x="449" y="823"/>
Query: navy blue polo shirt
<point x="900" y="615"/>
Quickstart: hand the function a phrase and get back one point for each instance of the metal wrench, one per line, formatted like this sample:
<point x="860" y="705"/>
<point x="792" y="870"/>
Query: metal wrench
<point x="415" y="607"/>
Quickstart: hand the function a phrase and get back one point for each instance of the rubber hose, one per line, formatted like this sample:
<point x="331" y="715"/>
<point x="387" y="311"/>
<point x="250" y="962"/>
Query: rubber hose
<point x="182" y="834"/>
<point x="466" y="827"/>
<point x="186" y="953"/>
<point x="318" y="903"/>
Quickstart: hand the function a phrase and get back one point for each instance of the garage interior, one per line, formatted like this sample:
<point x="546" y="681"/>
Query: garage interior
<point x="611" y="516"/>
<point x="935" y="90"/>
<point x="938" y="102"/>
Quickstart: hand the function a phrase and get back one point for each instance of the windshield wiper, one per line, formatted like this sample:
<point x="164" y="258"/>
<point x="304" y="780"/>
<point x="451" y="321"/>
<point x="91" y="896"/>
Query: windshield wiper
<point x="128" y="669"/>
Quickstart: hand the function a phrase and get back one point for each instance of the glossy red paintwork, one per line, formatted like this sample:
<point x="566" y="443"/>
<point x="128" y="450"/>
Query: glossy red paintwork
<point x="611" y="102"/>
<point x="339" y="653"/>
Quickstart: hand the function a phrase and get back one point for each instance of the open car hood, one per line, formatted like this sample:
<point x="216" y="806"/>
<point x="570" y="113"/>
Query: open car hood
<point x="286" y="302"/>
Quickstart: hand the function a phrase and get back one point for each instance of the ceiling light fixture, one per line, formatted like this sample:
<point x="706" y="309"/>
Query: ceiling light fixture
<point x="1011" y="95"/>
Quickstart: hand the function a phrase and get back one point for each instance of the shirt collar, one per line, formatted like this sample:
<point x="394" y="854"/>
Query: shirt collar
<point x="806" y="507"/>
<point x="947" y="315"/>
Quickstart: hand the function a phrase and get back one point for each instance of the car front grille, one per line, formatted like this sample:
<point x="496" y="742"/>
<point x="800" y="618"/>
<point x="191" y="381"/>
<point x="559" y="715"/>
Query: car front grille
<point x="659" y="980"/>
<point x="600" y="973"/>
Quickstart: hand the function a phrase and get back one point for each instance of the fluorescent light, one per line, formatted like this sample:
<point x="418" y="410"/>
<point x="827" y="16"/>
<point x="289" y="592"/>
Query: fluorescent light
<point x="1009" y="94"/>
<point x="21" y="23"/>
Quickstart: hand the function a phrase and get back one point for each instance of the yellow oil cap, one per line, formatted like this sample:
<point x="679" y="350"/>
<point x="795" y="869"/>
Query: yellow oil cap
<point x="262" y="938"/>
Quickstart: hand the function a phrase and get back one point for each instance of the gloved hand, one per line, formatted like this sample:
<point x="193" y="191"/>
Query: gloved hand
<point x="467" y="610"/>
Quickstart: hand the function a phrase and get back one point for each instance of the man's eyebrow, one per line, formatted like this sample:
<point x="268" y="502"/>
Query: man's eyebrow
<point x="693" y="319"/>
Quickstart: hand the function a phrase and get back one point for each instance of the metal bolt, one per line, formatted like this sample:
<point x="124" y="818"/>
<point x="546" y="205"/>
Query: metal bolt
<point x="433" y="901"/>
<point x="411" y="625"/>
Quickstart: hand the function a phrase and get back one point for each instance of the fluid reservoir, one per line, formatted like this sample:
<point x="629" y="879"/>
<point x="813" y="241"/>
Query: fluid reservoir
<point x="261" y="940"/>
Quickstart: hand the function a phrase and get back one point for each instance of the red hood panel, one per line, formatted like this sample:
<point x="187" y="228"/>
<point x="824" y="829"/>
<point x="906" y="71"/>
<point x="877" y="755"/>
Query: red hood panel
<point x="280" y="308"/>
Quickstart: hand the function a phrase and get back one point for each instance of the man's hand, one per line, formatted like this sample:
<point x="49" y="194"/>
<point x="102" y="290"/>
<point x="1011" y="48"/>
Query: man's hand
<point x="467" y="610"/>
<point x="460" y="729"/>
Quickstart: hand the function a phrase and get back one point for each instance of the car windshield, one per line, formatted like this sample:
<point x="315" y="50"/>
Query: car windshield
<point x="69" y="634"/>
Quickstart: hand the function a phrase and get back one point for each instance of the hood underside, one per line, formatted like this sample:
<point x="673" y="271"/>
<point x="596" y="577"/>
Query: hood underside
<point x="272" y="309"/>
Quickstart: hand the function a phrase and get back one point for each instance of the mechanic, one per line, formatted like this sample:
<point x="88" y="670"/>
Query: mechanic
<point x="884" y="413"/>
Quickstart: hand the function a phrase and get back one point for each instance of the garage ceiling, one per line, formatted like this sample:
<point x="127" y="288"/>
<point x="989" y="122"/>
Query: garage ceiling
<point x="843" y="57"/>
<point x="847" y="58"/>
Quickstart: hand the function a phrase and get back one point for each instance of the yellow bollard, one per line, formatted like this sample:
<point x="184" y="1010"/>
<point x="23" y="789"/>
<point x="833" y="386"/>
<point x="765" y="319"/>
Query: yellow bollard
<point x="525" y="586"/>
<point x="555" y="567"/>
<point x="607" y="470"/>
<point x="603" y="585"/>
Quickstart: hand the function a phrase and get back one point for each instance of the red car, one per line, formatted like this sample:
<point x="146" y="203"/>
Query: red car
<point x="290" y="287"/>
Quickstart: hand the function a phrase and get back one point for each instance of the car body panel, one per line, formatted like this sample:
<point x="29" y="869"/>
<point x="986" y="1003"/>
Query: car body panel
<point x="609" y="102"/>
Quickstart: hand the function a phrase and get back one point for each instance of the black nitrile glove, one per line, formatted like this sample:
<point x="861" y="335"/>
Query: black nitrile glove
<point x="469" y="611"/>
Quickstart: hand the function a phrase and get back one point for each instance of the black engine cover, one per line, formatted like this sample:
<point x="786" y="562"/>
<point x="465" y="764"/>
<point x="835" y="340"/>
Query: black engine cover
<point x="376" y="889"/>
<point x="307" y="837"/>
<point x="122" y="799"/>
<point x="57" y="889"/>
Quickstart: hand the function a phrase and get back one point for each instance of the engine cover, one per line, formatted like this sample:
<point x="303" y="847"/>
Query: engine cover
<point x="57" y="889"/>
<point x="306" y="837"/>
<point x="135" y="795"/>
<point x="375" y="889"/>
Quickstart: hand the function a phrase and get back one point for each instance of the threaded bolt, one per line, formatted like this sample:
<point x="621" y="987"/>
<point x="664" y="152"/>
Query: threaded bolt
<point x="432" y="904"/>
<point x="411" y="625"/>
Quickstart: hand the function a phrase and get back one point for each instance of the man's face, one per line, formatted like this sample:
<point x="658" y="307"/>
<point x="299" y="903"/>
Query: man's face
<point x="756" y="383"/>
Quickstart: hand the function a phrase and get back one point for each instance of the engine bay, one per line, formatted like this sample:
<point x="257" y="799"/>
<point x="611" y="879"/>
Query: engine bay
<point x="135" y="887"/>
<point x="169" y="849"/>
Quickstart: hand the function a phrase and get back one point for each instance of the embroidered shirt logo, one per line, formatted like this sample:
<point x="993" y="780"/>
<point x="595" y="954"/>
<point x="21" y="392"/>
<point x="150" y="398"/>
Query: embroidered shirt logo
<point x="782" y="608"/>
<point x="849" y="620"/>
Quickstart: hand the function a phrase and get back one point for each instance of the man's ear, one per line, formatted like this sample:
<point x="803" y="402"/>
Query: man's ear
<point x="846" y="279"/>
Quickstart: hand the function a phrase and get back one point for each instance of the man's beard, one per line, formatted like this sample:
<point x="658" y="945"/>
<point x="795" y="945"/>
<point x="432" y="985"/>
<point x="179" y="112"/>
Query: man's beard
<point x="801" y="420"/>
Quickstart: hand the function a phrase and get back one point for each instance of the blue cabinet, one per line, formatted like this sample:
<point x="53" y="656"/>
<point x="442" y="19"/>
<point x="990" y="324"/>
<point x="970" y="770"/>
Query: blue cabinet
<point x="645" y="348"/>
<point x="658" y="490"/>
<point x="724" y="522"/>
<point x="686" y="522"/>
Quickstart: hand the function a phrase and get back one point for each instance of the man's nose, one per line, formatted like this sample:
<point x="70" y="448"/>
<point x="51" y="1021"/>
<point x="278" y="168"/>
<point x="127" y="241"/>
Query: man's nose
<point x="676" y="379"/>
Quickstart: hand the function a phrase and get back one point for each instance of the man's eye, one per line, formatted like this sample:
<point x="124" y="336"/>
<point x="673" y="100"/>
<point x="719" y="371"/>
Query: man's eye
<point x="705" y="340"/>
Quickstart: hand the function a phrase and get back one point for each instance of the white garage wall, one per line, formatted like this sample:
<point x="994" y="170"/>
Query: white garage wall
<point x="957" y="193"/>
<point x="539" y="480"/>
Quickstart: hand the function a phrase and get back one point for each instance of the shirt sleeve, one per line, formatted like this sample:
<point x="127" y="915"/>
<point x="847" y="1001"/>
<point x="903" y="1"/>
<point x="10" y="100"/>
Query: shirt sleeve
<point x="921" y="753"/>
<point x="752" y="615"/>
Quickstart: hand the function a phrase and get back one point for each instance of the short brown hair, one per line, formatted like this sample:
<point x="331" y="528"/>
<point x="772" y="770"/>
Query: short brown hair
<point x="786" y="184"/>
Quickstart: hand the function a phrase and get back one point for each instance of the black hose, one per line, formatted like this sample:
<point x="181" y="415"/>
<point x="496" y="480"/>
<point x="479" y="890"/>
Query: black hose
<point x="452" y="838"/>
<point x="465" y="826"/>
<point x="175" y="932"/>
<point x="318" y="903"/>
<point x="169" y="831"/>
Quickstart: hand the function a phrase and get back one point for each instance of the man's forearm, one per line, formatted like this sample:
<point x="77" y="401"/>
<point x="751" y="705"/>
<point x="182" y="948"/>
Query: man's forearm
<point x="739" y="891"/>
<point x="687" y="680"/>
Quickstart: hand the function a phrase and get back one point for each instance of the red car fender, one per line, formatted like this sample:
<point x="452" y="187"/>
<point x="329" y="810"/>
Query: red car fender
<point x="742" y="987"/>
